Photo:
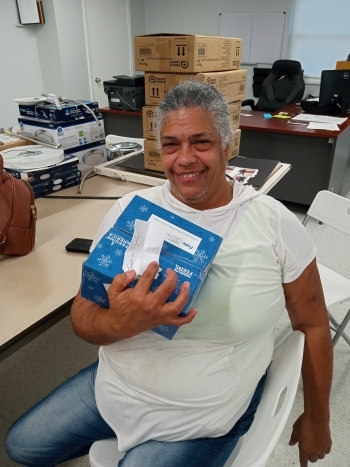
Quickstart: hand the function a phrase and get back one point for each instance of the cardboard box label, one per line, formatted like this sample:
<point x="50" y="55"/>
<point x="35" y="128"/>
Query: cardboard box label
<point x="235" y="143"/>
<point x="234" y="112"/>
<point x="152" y="159"/>
<point x="149" y="122"/>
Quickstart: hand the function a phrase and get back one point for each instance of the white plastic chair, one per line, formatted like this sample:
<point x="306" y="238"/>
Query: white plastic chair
<point x="333" y="210"/>
<point x="254" y="449"/>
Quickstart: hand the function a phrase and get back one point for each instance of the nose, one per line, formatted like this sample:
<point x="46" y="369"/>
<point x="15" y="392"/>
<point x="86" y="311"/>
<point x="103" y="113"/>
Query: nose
<point x="186" y="155"/>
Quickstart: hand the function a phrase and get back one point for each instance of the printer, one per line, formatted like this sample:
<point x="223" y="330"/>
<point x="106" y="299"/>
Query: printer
<point x="126" y="92"/>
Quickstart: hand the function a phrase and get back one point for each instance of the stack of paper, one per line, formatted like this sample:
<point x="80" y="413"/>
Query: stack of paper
<point x="323" y="126"/>
<point x="320" y="122"/>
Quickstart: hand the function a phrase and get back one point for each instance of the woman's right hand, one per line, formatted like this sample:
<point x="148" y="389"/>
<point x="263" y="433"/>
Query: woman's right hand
<point x="138" y="309"/>
<point x="131" y="310"/>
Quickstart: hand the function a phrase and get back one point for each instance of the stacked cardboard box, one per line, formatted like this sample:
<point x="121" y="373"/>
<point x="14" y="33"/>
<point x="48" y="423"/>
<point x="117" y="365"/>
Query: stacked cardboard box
<point x="76" y="130"/>
<point x="168" y="59"/>
<point x="72" y="126"/>
<point x="51" y="179"/>
<point x="72" y="135"/>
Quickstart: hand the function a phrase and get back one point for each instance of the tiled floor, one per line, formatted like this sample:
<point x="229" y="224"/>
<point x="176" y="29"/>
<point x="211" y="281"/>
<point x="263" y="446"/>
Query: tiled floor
<point x="41" y="365"/>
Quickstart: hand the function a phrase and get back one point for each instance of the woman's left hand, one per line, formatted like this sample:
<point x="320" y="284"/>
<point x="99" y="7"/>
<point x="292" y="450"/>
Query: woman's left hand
<point x="314" y="439"/>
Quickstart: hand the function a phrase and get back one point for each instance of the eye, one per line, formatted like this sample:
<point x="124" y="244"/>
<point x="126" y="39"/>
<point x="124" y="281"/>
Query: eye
<point x="202" y="144"/>
<point x="169" y="147"/>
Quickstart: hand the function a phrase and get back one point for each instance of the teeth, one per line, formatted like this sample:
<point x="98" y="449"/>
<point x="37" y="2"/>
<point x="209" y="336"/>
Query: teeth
<point x="190" y="175"/>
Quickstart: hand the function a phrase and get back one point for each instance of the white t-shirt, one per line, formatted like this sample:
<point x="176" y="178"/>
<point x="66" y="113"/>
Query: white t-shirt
<point x="201" y="382"/>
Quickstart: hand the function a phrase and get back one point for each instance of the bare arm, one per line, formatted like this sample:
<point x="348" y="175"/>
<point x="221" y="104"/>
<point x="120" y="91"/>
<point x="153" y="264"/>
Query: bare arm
<point x="308" y="313"/>
<point x="132" y="310"/>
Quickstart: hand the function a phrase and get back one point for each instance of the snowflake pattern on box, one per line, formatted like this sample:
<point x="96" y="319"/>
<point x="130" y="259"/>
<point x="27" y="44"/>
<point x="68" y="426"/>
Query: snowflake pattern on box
<point x="130" y="225"/>
<point x="91" y="276"/>
<point x="162" y="327"/>
<point x="200" y="256"/>
<point x="177" y="287"/>
<point x="118" y="252"/>
<point x="99" y="299"/>
<point x="99" y="245"/>
<point x="143" y="208"/>
<point x="211" y="239"/>
<point x="90" y="287"/>
<point x="104" y="261"/>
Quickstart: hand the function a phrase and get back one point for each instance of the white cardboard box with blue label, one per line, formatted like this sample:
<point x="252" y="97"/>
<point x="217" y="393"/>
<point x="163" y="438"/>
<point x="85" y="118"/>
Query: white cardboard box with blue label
<point x="68" y="134"/>
<point x="185" y="247"/>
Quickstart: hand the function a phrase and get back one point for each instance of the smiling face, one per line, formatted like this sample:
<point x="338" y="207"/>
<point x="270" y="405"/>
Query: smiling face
<point x="193" y="159"/>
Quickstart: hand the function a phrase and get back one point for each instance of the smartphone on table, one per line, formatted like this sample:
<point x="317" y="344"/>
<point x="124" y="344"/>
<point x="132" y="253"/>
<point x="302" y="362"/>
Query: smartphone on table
<point x="79" y="245"/>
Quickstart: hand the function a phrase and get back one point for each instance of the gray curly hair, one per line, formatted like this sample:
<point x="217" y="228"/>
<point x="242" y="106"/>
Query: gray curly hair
<point x="192" y="93"/>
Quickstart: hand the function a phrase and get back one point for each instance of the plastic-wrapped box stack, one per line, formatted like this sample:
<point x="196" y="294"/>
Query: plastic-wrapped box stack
<point x="168" y="59"/>
<point x="80" y="136"/>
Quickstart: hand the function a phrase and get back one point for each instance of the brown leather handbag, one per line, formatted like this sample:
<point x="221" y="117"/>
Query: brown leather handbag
<point x="17" y="215"/>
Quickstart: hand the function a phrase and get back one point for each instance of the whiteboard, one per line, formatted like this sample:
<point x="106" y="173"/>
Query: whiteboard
<point x="262" y="34"/>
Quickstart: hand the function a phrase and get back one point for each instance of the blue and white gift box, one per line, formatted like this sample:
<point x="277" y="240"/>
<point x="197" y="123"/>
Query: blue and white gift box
<point x="188" y="249"/>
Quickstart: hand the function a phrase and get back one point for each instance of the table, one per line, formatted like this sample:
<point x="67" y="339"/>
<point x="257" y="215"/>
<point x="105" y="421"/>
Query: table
<point x="38" y="289"/>
<point x="318" y="157"/>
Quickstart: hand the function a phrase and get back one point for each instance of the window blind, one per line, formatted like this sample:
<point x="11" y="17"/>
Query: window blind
<point x="320" y="34"/>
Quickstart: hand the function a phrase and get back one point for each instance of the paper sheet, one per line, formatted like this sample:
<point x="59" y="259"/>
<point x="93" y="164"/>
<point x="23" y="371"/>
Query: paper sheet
<point x="177" y="236"/>
<point x="318" y="118"/>
<point x="145" y="246"/>
<point x="323" y="126"/>
<point x="242" y="174"/>
<point x="8" y="139"/>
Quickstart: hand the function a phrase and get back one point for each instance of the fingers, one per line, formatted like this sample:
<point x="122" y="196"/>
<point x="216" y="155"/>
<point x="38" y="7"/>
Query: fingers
<point x="144" y="283"/>
<point x="181" y="320"/>
<point x="167" y="287"/>
<point x="293" y="439"/>
<point x="303" y="459"/>
<point x="152" y="304"/>
<point x="121" y="281"/>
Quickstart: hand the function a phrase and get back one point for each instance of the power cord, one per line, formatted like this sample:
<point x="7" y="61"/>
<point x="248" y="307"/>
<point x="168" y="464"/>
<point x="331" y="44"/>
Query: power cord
<point x="57" y="101"/>
<point x="86" y="107"/>
<point x="126" y="103"/>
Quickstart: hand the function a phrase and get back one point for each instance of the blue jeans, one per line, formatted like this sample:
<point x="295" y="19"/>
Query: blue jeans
<point x="64" y="425"/>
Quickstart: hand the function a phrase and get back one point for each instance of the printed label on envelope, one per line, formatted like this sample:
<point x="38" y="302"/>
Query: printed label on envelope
<point x="177" y="236"/>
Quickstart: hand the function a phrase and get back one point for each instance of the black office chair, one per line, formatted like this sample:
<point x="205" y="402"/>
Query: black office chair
<point x="284" y="85"/>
